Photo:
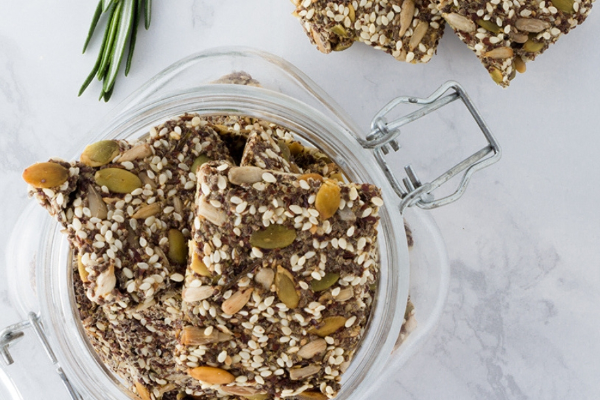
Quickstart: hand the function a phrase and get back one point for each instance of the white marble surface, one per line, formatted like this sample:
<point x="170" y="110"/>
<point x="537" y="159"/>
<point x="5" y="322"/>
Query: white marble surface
<point x="522" y="319"/>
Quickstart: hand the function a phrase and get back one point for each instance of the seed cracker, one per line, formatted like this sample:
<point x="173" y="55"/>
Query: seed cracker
<point x="124" y="239"/>
<point x="265" y="335"/>
<point x="506" y="34"/>
<point x="409" y="30"/>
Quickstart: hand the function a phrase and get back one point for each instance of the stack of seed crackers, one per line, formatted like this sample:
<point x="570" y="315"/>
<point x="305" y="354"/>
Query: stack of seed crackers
<point x="217" y="258"/>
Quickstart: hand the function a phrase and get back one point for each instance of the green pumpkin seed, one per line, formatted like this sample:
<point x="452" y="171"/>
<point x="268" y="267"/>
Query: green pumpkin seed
<point x="100" y="153"/>
<point x="285" y="150"/>
<point x="201" y="159"/>
<point x="496" y="75"/>
<point x="177" y="247"/>
<point x="564" y="5"/>
<point x="328" y="326"/>
<point x="533" y="47"/>
<point x="489" y="26"/>
<point x="273" y="237"/>
<point x="286" y="288"/>
<point x="118" y="180"/>
<point x="326" y="282"/>
<point x="339" y="30"/>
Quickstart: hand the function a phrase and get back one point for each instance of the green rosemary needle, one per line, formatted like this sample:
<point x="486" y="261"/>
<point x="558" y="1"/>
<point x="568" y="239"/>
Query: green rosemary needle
<point x="121" y="19"/>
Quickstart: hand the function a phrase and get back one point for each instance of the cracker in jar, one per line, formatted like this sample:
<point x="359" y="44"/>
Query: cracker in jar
<point x="281" y="277"/>
<point x="126" y="208"/>
<point x="505" y="35"/>
<point x="409" y="30"/>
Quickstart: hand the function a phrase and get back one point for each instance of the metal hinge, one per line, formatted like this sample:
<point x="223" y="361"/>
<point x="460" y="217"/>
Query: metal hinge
<point x="384" y="135"/>
<point x="13" y="333"/>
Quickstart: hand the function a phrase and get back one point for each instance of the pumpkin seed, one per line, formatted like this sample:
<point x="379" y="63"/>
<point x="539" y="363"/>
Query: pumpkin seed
<point x="46" y="175"/>
<point x="343" y="45"/>
<point x="273" y="237"/>
<point x="339" y="30"/>
<point x="337" y="177"/>
<point x="100" y="153"/>
<point x="520" y="65"/>
<point x="565" y="6"/>
<point x="496" y="75"/>
<point x="328" y="199"/>
<point x="117" y="180"/>
<point x="328" y="326"/>
<point x="295" y="148"/>
<point x="286" y="288"/>
<point x="532" y="46"/>
<point x="177" y="247"/>
<point x="285" y="150"/>
<point x="351" y="13"/>
<point x="211" y="375"/>
<point x="198" y="161"/>
<point x="326" y="282"/>
<point x="489" y="26"/>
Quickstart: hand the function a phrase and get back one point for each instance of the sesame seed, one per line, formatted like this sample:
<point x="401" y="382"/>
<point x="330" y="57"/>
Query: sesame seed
<point x="349" y="322"/>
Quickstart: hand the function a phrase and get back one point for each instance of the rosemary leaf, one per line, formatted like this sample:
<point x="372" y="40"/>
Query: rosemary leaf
<point x="136" y="20"/>
<point x="125" y="26"/>
<point x="95" y="19"/>
<point x="112" y="32"/>
<point x="106" y="4"/>
<point x="147" y="13"/>
<point x="90" y="77"/>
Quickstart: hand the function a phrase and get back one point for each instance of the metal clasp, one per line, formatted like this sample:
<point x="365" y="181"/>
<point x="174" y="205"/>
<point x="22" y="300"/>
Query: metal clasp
<point x="11" y="334"/>
<point x="415" y="192"/>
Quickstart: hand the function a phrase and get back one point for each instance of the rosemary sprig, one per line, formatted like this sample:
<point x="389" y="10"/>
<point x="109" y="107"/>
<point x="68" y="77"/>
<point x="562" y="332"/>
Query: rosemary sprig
<point x="122" y="18"/>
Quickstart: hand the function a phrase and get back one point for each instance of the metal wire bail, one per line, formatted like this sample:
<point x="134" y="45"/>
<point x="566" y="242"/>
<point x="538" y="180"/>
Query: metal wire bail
<point x="385" y="134"/>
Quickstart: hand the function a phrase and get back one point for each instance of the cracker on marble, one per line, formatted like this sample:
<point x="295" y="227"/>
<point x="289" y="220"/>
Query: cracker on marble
<point x="409" y="30"/>
<point x="506" y="34"/>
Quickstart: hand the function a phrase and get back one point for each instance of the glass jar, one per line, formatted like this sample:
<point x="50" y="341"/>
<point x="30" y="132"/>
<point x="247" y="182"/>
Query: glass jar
<point x="42" y="294"/>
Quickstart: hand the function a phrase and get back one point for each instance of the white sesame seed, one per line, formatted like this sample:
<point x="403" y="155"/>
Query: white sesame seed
<point x="377" y="201"/>
<point x="268" y="177"/>
<point x="349" y="322"/>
